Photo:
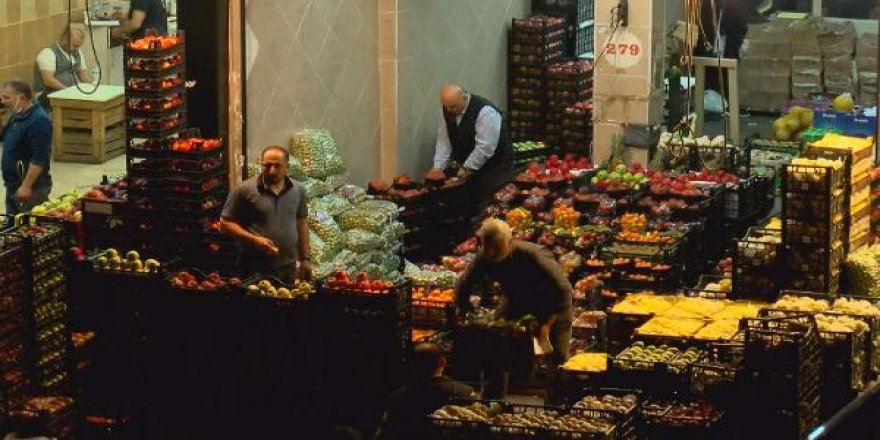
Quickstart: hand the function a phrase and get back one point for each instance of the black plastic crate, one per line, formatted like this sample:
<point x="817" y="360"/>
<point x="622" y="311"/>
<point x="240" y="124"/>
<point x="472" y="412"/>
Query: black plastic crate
<point x="824" y="207"/>
<point x="625" y="416"/>
<point x="156" y="107"/>
<point x="154" y="48"/>
<point x="812" y="179"/>
<point x="428" y="313"/>
<point x="776" y="346"/>
<point x="824" y="233"/>
<point x="150" y="66"/>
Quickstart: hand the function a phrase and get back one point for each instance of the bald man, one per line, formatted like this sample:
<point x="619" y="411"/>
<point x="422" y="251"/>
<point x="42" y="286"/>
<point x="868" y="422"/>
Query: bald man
<point x="471" y="141"/>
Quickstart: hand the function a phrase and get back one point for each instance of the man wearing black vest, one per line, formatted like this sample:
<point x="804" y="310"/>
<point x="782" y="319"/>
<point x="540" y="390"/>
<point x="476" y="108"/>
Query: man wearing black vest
<point x="471" y="141"/>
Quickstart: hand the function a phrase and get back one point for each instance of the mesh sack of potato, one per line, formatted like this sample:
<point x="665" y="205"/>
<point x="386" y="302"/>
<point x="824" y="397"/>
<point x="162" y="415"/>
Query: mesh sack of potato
<point x="252" y="170"/>
<point x="389" y="208"/>
<point x="368" y="220"/>
<point x="316" y="188"/>
<point x="335" y="181"/>
<point x="345" y="260"/>
<point x="322" y="270"/>
<point x="393" y="231"/>
<point x="358" y="240"/>
<point x="295" y="170"/>
<point x="353" y="193"/>
<point x="326" y="228"/>
<point x="388" y="262"/>
<point x="332" y="204"/>
<point x="317" y="248"/>
<point x="309" y="149"/>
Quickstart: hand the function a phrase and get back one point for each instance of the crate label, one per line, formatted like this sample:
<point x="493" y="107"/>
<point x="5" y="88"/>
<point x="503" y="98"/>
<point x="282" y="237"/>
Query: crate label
<point x="97" y="208"/>
<point x="623" y="50"/>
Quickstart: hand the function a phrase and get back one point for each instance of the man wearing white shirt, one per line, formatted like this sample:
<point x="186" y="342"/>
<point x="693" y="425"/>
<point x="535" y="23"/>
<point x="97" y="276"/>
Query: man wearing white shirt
<point x="471" y="141"/>
<point x="61" y="65"/>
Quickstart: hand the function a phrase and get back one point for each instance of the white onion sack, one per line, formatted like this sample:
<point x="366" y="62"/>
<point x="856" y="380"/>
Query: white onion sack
<point x="327" y="229"/>
<point x="360" y="241"/>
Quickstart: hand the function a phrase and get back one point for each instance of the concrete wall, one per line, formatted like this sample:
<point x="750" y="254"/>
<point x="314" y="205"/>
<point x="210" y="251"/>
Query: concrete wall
<point x="26" y="26"/>
<point x="448" y="41"/>
<point x="316" y="66"/>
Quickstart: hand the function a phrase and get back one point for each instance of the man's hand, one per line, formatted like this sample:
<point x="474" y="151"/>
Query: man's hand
<point x="23" y="194"/>
<point x="119" y="15"/>
<point x="305" y="270"/>
<point x="463" y="173"/>
<point x="543" y="332"/>
<point x="266" y="246"/>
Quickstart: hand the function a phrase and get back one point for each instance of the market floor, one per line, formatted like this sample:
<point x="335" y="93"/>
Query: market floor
<point x="67" y="175"/>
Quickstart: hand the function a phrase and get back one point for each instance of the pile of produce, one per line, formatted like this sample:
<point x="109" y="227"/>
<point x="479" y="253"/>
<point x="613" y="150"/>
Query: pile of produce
<point x="211" y="282"/>
<point x="587" y="363"/>
<point x="112" y="261"/>
<point x="619" y="404"/>
<point x="639" y="356"/>
<point x="620" y="178"/>
<point x="671" y="327"/>
<point x="800" y="304"/>
<point x="270" y="289"/>
<point x="787" y="127"/>
<point x="862" y="269"/>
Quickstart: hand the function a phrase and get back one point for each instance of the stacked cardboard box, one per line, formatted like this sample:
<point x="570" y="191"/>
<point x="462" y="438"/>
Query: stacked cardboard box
<point x="765" y="67"/>
<point x="866" y="65"/>
<point x="837" y="41"/>
<point x="806" y="58"/>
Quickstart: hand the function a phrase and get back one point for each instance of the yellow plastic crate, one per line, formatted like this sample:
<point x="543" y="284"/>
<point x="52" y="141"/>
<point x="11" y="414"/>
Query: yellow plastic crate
<point x="858" y="147"/>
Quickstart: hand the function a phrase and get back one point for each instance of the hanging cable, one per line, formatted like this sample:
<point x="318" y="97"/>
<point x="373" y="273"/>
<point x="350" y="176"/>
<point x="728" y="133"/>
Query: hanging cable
<point x="94" y="50"/>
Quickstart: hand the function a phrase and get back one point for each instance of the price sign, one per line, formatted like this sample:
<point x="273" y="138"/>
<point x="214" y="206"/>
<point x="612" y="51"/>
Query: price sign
<point x="623" y="50"/>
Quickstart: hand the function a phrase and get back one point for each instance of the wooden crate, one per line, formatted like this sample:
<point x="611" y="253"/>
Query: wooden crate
<point x="90" y="130"/>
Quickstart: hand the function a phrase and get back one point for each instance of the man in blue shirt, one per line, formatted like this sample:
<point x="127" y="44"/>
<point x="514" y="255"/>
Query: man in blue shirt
<point x="471" y="141"/>
<point x="27" y="145"/>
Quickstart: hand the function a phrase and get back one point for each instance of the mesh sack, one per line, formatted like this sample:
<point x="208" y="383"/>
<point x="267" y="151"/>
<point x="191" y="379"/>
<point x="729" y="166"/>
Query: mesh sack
<point x="317" y="248"/>
<point x="295" y="170"/>
<point x="308" y="149"/>
<point x="353" y="193"/>
<point x="326" y="228"/>
<point x="316" y="188"/>
<point x="389" y="208"/>
<point x="332" y="204"/>
<point x="358" y="240"/>
<point x="371" y="221"/>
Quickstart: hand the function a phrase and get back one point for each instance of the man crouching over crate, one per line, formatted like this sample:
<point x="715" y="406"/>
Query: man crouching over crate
<point x="532" y="283"/>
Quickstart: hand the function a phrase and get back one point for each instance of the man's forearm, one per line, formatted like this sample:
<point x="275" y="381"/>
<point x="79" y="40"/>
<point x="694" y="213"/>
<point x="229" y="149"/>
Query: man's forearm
<point x="85" y="76"/>
<point x="236" y="232"/>
<point x="53" y="84"/>
<point x="33" y="173"/>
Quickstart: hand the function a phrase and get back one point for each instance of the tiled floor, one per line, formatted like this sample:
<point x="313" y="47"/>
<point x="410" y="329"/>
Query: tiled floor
<point x="66" y="175"/>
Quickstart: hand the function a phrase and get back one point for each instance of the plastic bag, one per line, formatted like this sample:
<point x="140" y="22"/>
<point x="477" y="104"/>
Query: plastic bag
<point x="393" y="231"/>
<point x="353" y="193"/>
<point x="713" y="102"/>
<point x="327" y="229"/>
<point x="358" y="240"/>
<point x="335" y="181"/>
<point x="372" y="221"/>
<point x="316" y="188"/>
<point x="389" y="208"/>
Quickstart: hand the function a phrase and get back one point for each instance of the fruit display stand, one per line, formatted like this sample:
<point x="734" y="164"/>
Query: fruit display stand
<point x="783" y="375"/>
<point x="16" y="350"/>
<point x="534" y="43"/>
<point x="813" y="224"/>
<point x="569" y="88"/>
<point x="88" y="128"/>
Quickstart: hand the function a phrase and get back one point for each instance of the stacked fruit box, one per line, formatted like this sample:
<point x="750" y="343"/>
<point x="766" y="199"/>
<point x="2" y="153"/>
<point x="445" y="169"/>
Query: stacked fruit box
<point x="783" y="375"/>
<point x="755" y="264"/>
<point x="569" y="109"/>
<point x="155" y="95"/>
<point x="46" y="280"/>
<point x="813" y="224"/>
<point x="534" y="43"/>
<point x="859" y="153"/>
<point x="15" y="349"/>
<point x="875" y="205"/>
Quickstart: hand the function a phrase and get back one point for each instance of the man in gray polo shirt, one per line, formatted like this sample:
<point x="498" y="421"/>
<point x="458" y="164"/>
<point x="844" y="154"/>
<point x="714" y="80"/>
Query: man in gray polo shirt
<point x="267" y="215"/>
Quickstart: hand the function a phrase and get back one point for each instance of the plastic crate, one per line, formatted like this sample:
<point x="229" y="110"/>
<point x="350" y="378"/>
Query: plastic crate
<point x="812" y="179"/>
<point x="739" y="200"/>
<point x="671" y="422"/>
<point x="813" y="207"/>
<point x="844" y="359"/>
<point x="776" y="345"/>
<point x="432" y="314"/>
<point x="625" y="416"/>
<point x="797" y="232"/>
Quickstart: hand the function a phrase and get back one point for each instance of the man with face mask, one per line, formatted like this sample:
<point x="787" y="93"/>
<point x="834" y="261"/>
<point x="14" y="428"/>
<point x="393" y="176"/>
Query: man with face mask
<point x="61" y="65"/>
<point x="471" y="141"/>
<point x="267" y="215"/>
<point x="532" y="283"/>
<point x="27" y="148"/>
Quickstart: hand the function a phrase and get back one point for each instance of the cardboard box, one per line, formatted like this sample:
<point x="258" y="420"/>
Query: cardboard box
<point x="838" y="64"/>
<point x="868" y="79"/>
<point x="807" y="78"/>
<point x="837" y="38"/>
<point x="803" y="36"/>
<point x="804" y="91"/>
<point x="806" y="63"/>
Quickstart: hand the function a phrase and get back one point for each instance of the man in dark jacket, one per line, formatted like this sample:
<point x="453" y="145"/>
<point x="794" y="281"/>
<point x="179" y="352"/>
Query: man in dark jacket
<point x="426" y="391"/>
<point x="27" y="148"/>
<point x="471" y="141"/>
<point x="143" y="15"/>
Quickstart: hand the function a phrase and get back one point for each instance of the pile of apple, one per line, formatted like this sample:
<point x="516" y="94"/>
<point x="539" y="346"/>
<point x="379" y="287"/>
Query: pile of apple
<point x="111" y="260"/>
<point x="108" y="191"/>
<point x="265" y="288"/>
<point x="361" y="284"/>
<point x="553" y="169"/>
<point x="522" y="147"/>
<point x="717" y="176"/>
<point x="212" y="282"/>
<point x="679" y="185"/>
<point x="67" y="207"/>
<point x="194" y="145"/>
<point x="620" y="178"/>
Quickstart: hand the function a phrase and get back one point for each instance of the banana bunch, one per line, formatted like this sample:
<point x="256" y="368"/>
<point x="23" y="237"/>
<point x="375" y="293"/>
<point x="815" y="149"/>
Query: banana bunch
<point x="862" y="269"/>
<point x="840" y="324"/>
<point x="855" y="307"/>
<point x="587" y="362"/>
<point x="718" y="330"/>
<point x="695" y="308"/>
<point x="644" y="304"/>
<point x="800" y="304"/>
<point x="672" y="327"/>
